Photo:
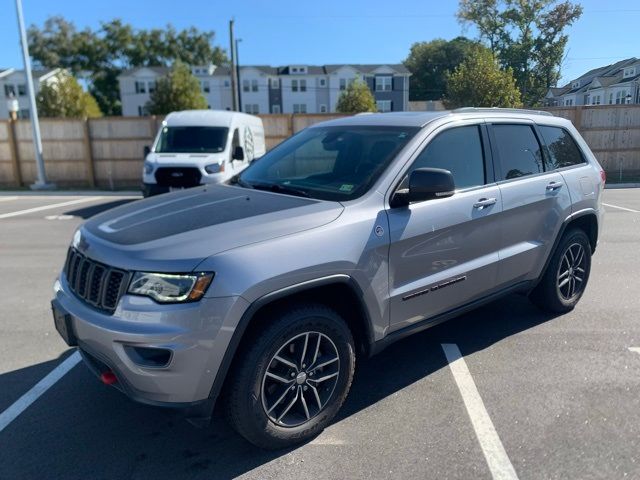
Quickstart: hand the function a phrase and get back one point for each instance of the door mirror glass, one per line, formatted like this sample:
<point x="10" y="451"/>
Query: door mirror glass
<point x="425" y="184"/>
<point x="146" y="150"/>
<point x="238" y="153"/>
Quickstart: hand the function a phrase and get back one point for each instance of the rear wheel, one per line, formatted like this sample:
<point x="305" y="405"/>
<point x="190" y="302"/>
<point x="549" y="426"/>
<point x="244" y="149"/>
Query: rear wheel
<point x="567" y="274"/>
<point x="292" y="377"/>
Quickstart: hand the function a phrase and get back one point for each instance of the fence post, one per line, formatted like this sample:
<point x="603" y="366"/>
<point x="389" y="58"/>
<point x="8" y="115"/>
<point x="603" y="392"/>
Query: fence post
<point x="88" y="154"/>
<point x="291" y="132"/>
<point x="15" y="152"/>
<point x="578" y="122"/>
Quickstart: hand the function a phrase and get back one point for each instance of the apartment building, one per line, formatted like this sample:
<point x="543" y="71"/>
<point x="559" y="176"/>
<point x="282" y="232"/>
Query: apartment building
<point x="615" y="84"/>
<point x="13" y="85"/>
<point x="266" y="89"/>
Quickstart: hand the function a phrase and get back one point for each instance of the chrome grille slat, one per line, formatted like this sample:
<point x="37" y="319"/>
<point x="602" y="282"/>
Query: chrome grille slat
<point x="97" y="284"/>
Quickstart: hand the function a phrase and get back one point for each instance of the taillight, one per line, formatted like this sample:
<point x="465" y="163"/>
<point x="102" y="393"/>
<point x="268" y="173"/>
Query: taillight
<point x="603" y="176"/>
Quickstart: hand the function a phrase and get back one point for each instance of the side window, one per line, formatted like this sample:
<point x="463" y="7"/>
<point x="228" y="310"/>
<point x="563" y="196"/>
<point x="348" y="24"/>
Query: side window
<point x="563" y="151"/>
<point x="458" y="150"/>
<point x="519" y="151"/>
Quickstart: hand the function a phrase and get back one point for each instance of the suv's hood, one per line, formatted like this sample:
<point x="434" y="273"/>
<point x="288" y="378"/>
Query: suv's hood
<point x="176" y="231"/>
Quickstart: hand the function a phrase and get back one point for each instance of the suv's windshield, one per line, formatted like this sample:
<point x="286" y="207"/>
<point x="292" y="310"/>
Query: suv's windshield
<point x="329" y="163"/>
<point x="192" y="140"/>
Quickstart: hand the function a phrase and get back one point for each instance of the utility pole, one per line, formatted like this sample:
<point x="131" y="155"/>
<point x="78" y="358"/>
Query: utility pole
<point x="41" y="182"/>
<point x="237" y="56"/>
<point x="235" y="101"/>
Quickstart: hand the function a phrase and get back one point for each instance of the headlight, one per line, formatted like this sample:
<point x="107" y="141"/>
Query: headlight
<point x="214" y="168"/>
<point x="170" y="288"/>
<point x="148" y="167"/>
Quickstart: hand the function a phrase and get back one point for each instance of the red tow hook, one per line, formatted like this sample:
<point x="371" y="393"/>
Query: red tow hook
<point x="108" y="377"/>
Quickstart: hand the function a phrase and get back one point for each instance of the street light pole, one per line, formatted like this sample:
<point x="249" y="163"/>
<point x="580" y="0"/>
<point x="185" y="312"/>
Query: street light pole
<point x="237" y="56"/>
<point x="41" y="182"/>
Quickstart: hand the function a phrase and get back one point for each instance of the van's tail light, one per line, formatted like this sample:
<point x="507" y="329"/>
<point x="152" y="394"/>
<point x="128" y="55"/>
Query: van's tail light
<point x="603" y="176"/>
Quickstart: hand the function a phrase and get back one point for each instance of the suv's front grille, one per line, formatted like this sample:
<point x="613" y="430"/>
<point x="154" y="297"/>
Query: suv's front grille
<point x="97" y="284"/>
<point x="178" y="176"/>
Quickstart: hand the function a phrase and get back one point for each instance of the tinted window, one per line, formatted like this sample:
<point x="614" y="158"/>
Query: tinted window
<point x="330" y="163"/>
<point x="192" y="140"/>
<point x="458" y="150"/>
<point x="563" y="151"/>
<point x="519" y="151"/>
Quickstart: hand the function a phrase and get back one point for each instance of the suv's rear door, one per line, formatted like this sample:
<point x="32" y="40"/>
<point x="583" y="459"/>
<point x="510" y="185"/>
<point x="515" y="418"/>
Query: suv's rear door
<point x="443" y="252"/>
<point x="535" y="201"/>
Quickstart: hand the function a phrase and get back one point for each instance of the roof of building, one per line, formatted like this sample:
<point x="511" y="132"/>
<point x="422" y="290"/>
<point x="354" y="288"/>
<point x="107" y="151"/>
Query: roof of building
<point x="38" y="74"/>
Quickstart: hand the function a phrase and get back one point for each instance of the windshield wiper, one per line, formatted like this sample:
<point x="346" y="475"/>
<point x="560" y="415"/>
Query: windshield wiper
<point x="278" y="188"/>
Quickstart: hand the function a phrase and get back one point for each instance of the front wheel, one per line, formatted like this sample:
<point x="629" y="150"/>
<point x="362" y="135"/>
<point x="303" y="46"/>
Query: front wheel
<point x="567" y="274"/>
<point x="292" y="377"/>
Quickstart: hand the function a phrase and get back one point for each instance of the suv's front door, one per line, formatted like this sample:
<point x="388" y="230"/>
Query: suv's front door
<point x="535" y="201"/>
<point x="443" y="252"/>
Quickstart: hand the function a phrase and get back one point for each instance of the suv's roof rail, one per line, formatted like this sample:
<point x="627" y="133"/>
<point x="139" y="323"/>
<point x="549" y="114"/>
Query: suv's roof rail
<point x="496" y="109"/>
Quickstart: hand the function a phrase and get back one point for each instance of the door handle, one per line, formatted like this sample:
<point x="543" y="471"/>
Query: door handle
<point x="484" y="203"/>
<point x="554" y="186"/>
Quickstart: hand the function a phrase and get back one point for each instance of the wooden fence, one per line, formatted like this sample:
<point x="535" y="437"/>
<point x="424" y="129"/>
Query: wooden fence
<point x="107" y="152"/>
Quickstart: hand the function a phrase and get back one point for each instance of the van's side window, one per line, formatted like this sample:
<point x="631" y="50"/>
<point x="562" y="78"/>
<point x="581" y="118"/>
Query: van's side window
<point x="235" y="141"/>
<point x="563" y="151"/>
<point x="518" y="150"/>
<point x="458" y="150"/>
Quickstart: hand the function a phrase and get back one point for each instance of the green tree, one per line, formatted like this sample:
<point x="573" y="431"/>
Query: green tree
<point x="526" y="35"/>
<point x="179" y="90"/>
<point x="100" y="55"/>
<point x="479" y="82"/>
<point x="356" y="98"/>
<point x="429" y="63"/>
<point x="64" y="97"/>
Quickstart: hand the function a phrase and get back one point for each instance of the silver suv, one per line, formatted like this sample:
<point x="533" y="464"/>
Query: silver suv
<point x="348" y="236"/>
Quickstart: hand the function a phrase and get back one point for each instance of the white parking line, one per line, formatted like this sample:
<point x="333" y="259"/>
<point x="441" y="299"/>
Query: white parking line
<point x="6" y="199"/>
<point x="492" y="448"/>
<point x="621" y="208"/>
<point x="634" y="349"/>
<point x="11" y="413"/>
<point x="48" y="207"/>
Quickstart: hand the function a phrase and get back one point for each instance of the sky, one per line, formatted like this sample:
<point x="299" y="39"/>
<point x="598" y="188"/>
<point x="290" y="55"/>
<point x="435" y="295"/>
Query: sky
<point x="281" y="32"/>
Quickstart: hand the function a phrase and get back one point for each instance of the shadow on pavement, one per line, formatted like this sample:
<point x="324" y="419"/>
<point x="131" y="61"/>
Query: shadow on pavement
<point x="82" y="429"/>
<point x="92" y="210"/>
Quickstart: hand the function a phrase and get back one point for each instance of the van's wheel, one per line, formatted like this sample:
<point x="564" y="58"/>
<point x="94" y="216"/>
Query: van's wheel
<point x="567" y="274"/>
<point x="292" y="377"/>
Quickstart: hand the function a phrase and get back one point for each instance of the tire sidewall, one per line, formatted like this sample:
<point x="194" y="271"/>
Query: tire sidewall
<point x="574" y="236"/>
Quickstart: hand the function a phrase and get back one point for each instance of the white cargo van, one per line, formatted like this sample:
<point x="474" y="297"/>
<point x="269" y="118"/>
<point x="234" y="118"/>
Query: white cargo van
<point x="196" y="147"/>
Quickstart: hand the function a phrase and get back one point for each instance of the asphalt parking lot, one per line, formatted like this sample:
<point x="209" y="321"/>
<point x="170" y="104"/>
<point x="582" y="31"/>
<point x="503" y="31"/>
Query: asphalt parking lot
<point x="562" y="393"/>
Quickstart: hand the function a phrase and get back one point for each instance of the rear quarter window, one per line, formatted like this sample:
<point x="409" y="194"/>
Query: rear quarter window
<point x="562" y="148"/>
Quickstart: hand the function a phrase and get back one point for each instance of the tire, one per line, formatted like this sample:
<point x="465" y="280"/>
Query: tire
<point x="572" y="261"/>
<point x="255" y="400"/>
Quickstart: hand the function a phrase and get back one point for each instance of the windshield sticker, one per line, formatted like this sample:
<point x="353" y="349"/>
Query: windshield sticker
<point x="346" y="187"/>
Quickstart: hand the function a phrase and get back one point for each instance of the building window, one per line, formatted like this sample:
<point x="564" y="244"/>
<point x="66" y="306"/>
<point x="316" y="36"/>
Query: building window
<point x="23" y="114"/>
<point x="383" y="83"/>
<point x="629" y="72"/>
<point x="568" y="102"/>
<point x="9" y="91"/>
<point x="22" y="89"/>
<point x="343" y="83"/>
<point x="252" y="108"/>
<point x="206" y="88"/>
<point x="245" y="85"/>
<point x="299" y="108"/>
<point x="294" y="85"/>
<point x="621" y="97"/>
<point x="575" y="84"/>
<point x="611" y="99"/>
<point x="323" y="108"/>
<point x="383" y="105"/>
<point x="275" y="108"/>
<point x="226" y="84"/>
<point x="323" y="82"/>
<point x="596" y="100"/>
<point x="254" y="85"/>
<point x="303" y="85"/>
<point x="151" y="86"/>
<point x="142" y="111"/>
<point x="275" y="83"/>
<point x="141" y="87"/>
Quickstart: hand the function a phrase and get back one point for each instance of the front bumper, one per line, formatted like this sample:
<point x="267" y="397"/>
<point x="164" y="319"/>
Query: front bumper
<point x="196" y="334"/>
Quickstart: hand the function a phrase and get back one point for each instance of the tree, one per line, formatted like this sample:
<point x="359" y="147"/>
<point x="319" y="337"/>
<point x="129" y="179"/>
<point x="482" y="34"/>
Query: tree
<point x="179" y="90"/>
<point x="64" y="97"/>
<point x="526" y="35"/>
<point x="356" y="98"/>
<point x="102" y="54"/>
<point x="479" y="82"/>
<point x="429" y="63"/>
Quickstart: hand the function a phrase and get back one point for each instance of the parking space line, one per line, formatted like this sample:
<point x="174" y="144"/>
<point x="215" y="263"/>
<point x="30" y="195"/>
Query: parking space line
<point x="11" y="413"/>
<point x="621" y="208"/>
<point x="6" y="199"/>
<point x="634" y="349"/>
<point x="48" y="207"/>
<point x="492" y="448"/>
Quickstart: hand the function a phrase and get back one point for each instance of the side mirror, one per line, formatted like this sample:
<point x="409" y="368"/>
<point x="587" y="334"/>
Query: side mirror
<point x="146" y="150"/>
<point x="238" y="153"/>
<point x="425" y="184"/>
